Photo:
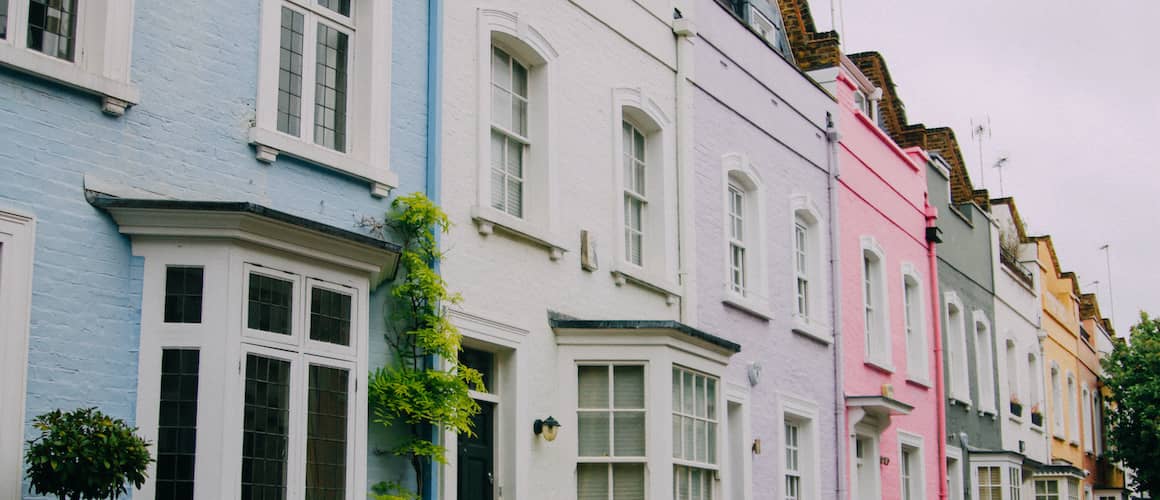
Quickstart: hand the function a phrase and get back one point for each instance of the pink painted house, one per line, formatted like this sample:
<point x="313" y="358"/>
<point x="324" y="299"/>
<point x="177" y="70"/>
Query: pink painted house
<point x="888" y="342"/>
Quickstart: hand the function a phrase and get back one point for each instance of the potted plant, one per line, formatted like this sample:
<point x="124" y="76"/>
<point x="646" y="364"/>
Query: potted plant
<point x="85" y="454"/>
<point x="1036" y="416"/>
<point x="1016" y="406"/>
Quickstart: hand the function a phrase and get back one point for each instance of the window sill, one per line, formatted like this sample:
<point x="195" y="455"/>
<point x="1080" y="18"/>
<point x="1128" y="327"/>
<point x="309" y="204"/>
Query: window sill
<point x="881" y="366"/>
<point x="988" y="413"/>
<point x="1058" y="437"/>
<point x="270" y="143"/>
<point x="747" y="306"/>
<point x="956" y="400"/>
<point x="488" y="219"/>
<point x="1037" y="428"/>
<point x="623" y="273"/>
<point x="805" y="328"/>
<point x="116" y="95"/>
<point x="925" y="384"/>
<point x="1073" y="444"/>
<point x="1017" y="420"/>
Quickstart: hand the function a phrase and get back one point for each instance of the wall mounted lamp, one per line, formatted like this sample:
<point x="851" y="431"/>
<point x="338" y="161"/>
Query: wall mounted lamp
<point x="546" y="428"/>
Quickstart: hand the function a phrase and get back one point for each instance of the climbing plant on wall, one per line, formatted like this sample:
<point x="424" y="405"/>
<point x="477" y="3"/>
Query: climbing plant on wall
<point x="422" y="388"/>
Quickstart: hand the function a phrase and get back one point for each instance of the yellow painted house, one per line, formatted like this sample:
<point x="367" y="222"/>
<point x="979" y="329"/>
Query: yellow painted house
<point x="1064" y="477"/>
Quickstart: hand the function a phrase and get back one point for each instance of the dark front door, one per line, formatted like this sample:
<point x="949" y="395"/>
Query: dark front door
<point x="476" y="463"/>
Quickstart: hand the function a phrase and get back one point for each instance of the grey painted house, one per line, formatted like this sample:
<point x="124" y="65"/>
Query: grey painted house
<point x="762" y="224"/>
<point x="966" y="284"/>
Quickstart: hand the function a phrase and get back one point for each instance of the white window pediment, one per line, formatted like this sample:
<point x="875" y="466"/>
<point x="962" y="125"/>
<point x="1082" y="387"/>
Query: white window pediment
<point x="94" y="59"/>
<point x="336" y="115"/>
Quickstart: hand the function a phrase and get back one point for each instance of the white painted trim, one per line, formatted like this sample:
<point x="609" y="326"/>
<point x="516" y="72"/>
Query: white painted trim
<point x="883" y="359"/>
<point x="960" y="391"/>
<point x="915" y="441"/>
<point x="101" y="55"/>
<point x="817" y="325"/>
<point x="984" y="374"/>
<point x="367" y="155"/>
<point x="17" y="249"/>
<point x="512" y="32"/>
<point x="955" y="491"/>
<point x="922" y="374"/>
<point x="805" y="410"/>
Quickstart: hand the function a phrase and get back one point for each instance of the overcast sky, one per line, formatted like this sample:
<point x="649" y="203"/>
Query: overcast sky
<point x="1071" y="91"/>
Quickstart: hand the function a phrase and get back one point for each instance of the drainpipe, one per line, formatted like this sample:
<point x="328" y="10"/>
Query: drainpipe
<point x="686" y="246"/>
<point x="832" y="137"/>
<point x="434" y="178"/>
<point x="932" y="238"/>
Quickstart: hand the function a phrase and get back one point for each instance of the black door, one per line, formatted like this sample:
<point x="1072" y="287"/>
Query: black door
<point x="476" y="467"/>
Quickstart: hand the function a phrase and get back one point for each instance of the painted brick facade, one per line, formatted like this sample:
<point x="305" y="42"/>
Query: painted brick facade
<point x="196" y="66"/>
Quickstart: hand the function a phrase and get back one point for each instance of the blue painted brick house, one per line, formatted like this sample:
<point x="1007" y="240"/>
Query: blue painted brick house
<point x="180" y="190"/>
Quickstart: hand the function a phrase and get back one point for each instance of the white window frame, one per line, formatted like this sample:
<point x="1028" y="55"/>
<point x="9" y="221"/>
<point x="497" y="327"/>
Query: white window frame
<point x="1035" y="389"/>
<point x="224" y="340"/>
<point x="658" y="269"/>
<point x="914" y="321"/>
<point x="805" y="413"/>
<point x="1015" y="482"/>
<point x="869" y="460"/>
<point x="954" y="473"/>
<point x="876" y="306"/>
<point x="612" y="458"/>
<point x="368" y="125"/>
<point x="754" y="298"/>
<point x="983" y="342"/>
<point x="102" y="54"/>
<point x="17" y="247"/>
<point x="1072" y="410"/>
<point x="958" y="387"/>
<point x="1012" y="382"/>
<point x="1057" y="427"/>
<point x="978" y="484"/>
<point x="1046" y="495"/>
<point x="913" y="442"/>
<point x="807" y="214"/>
<point x="1086" y="403"/>
<point x="515" y="36"/>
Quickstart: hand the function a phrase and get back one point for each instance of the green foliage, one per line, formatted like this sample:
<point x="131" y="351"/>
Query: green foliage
<point x="85" y="454"/>
<point x="409" y="390"/>
<point x="1133" y="376"/>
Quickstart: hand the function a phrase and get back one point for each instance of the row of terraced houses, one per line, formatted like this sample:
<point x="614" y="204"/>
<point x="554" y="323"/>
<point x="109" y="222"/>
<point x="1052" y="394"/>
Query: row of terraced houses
<point x="696" y="233"/>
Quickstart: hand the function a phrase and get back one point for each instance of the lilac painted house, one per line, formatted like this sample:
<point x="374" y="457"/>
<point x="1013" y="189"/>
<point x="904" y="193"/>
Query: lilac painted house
<point x="763" y="221"/>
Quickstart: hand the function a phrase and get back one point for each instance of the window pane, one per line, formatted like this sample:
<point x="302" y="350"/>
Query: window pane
<point x="3" y="19"/>
<point x="628" y="387"/>
<point x="501" y="69"/>
<point x="519" y="116"/>
<point x="501" y="107"/>
<point x="592" y="482"/>
<point x="327" y="408"/>
<point x="52" y="27"/>
<point x="329" y="316"/>
<point x="519" y="79"/>
<point x="593" y="389"/>
<point x="183" y="289"/>
<point x="269" y="304"/>
<point x="339" y="6"/>
<point x="330" y="88"/>
<point x="290" y="73"/>
<point x="629" y="434"/>
<point x="498" y="174"/>
<point x="266" y="427"/>
<point x="628" y="481"/>
<point x="594" y="434"/>
<point x="177" y="432"/>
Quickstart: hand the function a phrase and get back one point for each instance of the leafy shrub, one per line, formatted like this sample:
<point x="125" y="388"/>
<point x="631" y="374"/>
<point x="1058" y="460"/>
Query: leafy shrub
<point x="85" y="454"/>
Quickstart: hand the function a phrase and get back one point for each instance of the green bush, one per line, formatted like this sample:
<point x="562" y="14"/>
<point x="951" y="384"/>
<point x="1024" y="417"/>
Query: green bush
<point x="85" y="454"/>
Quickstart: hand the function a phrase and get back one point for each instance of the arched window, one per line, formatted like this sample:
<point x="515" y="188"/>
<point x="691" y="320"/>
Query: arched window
<point x="1012" y="359"/>
<point x="809" y="267"/>
<point x="1072" y="410"/>
<point x="1086" y="402"/>
<point x="917" y="364"/>
<point x="744" y="238"/>
<point x="984" y="364"/>
<point x="875" y="304"/>
<point x="1056" y="402"/>
<point x="956" y="348"/>
<point x="1034" y="383"/>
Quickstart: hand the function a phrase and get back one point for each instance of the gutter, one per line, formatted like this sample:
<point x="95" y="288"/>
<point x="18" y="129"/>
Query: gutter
<point x="832" y="137"/>
<point x="434" y="178"/>
<point x="932" y="237"/>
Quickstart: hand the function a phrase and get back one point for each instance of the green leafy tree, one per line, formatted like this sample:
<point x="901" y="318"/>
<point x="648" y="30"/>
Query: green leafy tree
<point x="1133" y="376"/>
<point x="422" y="387"/>
<point x="85" y="454"/>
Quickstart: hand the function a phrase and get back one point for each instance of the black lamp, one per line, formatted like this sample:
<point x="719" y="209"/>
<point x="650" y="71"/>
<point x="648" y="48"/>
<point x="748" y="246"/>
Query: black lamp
<point x="546" y="428"/>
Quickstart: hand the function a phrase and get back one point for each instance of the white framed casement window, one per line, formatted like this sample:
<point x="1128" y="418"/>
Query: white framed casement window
<point x="324" y="86"/>
<point x="746" y="282"/>
<point x="1034" y="387"/>
<point x="286" y="337"/>
<point x="912" y="472"/>
<point x="645" y="234"/>
<point x="809" y="267"/>
<point x="1072" y="414"/>
<point x="515" y="191"/>
<point x="958" y="382"/>
<point x="84" y="44"/>
<point x="1015" y="483"/>
<point x="611" y="416"/>
<point x="914" y="324"/>
<point x="17" y="244"/>
<point x="984" y="362"/>
<point x="989" y="482"/>
<point x="1086" y="403"/>
<point x="1047" y="489"/>
<point x="1011" y="361"/>
<point x="875" y="305"/>
<point x="1056" y="402"/>
<point x="695" y="428"/>
<point x="799" y="442"/>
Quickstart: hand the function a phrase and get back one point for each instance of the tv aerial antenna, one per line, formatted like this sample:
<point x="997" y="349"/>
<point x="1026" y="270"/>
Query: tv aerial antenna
<point x="999" y="164"/>
<point x="980" y="132"/>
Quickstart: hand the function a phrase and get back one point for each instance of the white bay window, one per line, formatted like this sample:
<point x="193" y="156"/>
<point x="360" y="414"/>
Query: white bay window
<point x="694" y="435"/>
<point x="611" y="426"/>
